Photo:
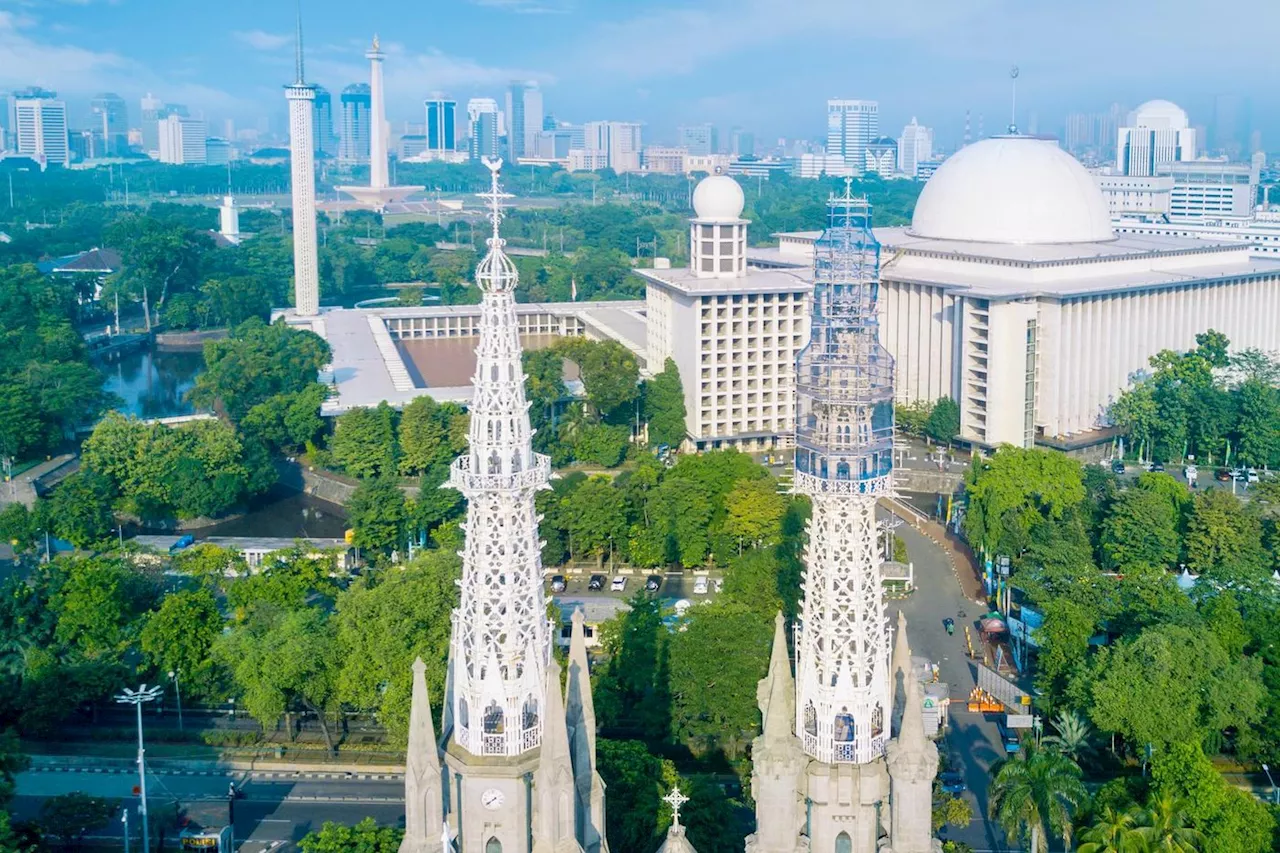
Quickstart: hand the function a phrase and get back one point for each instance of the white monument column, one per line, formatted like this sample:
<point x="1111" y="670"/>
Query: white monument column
<point x="306" y="264"/>
<point x="378" y="178"/>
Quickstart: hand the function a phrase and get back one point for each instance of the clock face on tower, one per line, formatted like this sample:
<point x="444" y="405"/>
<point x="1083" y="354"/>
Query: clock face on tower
<point x="492" y="799"/>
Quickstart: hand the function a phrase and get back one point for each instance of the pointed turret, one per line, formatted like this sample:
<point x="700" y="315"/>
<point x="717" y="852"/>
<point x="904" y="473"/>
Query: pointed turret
<point x="901" y="664"/>
<point x="913" y="764"/>
<point x="553" y="786"/>
<point x="423" y="791"/>
<point x="581" y="716"/>
<point x="776" y="694"/>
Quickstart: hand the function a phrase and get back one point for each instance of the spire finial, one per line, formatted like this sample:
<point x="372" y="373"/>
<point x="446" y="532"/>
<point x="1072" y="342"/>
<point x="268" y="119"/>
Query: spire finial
<point x="495" y="195"/>
<point x="376" y="44"/>
<point x="297" y="47"/>
<point x="1013" y="111"/>
<point x="675" y="799"/>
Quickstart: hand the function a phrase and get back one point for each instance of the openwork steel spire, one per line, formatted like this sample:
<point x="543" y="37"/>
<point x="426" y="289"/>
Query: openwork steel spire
<point x="501" y="638"/>
<point x="844" y="441"/>
<point x="297" y="49"/>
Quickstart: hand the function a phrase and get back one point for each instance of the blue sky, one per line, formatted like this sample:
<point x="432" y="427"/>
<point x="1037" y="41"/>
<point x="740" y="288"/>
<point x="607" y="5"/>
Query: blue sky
<point x="767" y="65"/>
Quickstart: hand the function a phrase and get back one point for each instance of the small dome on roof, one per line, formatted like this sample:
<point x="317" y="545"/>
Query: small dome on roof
<point x="718" y="198"/>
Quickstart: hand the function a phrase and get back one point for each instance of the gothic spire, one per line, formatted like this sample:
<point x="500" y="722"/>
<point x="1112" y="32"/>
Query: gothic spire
<point x="423" y="792"/>
<point x="911" y="736"/>
<point x="553" y="785"/>
<point x="581" y="706"/>
<point x="776" y="693"/>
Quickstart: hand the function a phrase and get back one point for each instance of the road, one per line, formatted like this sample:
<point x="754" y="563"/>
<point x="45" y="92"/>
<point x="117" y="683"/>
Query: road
<point x="971" y="743"/>
<point x="275" y="807"/>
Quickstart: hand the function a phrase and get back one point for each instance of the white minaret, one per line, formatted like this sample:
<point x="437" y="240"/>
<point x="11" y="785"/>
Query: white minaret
<point x="378" y="175"/>
<point x="501" y="642"/>
<point x="306" y="265"/>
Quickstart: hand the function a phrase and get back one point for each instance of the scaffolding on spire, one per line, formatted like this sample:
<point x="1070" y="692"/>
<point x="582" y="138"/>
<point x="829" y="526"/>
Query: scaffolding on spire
<point x="844" y="462"/>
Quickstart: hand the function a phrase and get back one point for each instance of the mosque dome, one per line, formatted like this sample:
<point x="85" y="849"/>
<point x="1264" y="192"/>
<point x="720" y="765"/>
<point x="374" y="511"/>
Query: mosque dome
<point x="718" y="198"/>
<point x="1159" y="115"/>
<point x="1012" y="189"/>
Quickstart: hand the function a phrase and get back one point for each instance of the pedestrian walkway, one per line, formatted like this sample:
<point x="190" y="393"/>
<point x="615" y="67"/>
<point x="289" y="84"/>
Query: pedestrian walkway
<point x="22" y="488"/>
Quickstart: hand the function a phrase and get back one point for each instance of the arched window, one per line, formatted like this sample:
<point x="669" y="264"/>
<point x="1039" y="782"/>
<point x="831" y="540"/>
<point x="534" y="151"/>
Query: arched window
<point x="810" y="719"/>
<point x="464" y="715"/>
<point x="877" y="720"/>
<point x="493" y="719"/>
<point x="844" y="844"/>
<point x="530" y="712"/>
<point x="844" y="726"/>
<point x="493" y="845"/>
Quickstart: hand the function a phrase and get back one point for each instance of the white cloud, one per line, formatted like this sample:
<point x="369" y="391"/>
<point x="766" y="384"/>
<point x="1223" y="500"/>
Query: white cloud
<point x="259" y="40"/>
<point x="527" y="7"/>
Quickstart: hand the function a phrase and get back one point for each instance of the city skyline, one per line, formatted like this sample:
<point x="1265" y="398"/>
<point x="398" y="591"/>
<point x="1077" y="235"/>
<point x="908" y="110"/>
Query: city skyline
<point x="665" y="67"/>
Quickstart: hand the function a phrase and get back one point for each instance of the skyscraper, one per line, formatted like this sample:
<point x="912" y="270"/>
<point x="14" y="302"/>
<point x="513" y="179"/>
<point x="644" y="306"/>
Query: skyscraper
<point x="519" y="767"/>
<point x="482" y="127"/>
<point x="353" y="146"/>
<point x="182" y="140"/>
<point x="851" y="127"/>
<point x="524" y="118"/>
<point x="820" y="775"/>
<point x="441" y="123"/>
<point x="700" y="140"/>
<point x="1155" y="135"/>
<point x="111" y="119"/>
<point x="914" y="146"/>
<point x="322" y="131"/>
<point x="306" y="264"/>
<point x="40" y="121"/>
<point x="618" y="141"/>
<point x="151" y="107"/>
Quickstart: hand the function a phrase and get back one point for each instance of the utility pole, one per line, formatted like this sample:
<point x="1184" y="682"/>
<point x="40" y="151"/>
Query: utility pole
<point x="136" y="698"/>
<point x="177" y="692"/>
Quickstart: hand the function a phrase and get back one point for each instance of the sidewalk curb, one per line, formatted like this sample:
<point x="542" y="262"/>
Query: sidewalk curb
<point x="221" y="767"/>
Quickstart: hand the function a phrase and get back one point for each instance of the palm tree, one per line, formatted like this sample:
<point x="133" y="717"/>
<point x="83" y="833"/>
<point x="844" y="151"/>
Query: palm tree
<point x="1163" y="827"/>
<point x="1113" y="832"/>
<point x="1074" y="736"/>
<point x="1035" y="794"/>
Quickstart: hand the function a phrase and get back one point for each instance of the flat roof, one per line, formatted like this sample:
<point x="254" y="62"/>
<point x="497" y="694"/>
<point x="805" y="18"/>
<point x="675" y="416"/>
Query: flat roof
<point x="755" y="281"/>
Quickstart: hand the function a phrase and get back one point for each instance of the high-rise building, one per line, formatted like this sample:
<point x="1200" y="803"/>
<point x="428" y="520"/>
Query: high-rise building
<point x="700" y="140"/>
<point x="353" y="145"/>
<point x="322" y="132"/>
<point x="217" y="151"/>
<point x="111" y="120"/>
<point x="40" y="124"/>
<point x="915" y="145"/>
<point x="881" y="157"/>
<point x="1155" y="135"/>
<point x="851" y="127"/>
<point x="482" y="127"/>
<point x="824" y="766"/>
<point x="520" y="763"/>
<point x="441" y="123"/>
<point x="524" y="118"/>
<point x="151" y="107"/>
<point x="1230" y="129"/>
<point x="742" y="143"/>
<point x="619" y="141"/>
<point x="6" y="121"/>
<point x="302" y="181"/>
<point x="182" y="140"/>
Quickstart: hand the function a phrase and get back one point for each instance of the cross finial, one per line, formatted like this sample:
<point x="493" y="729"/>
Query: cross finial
<point x="675" y="799"/>
<point x="848" y="187"/>
<point x="495" y="195"/>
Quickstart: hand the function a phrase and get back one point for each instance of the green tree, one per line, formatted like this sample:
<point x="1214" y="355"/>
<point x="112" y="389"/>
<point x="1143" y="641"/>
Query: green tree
<point x="632" y="692"/>
<point x="97" y="605"/>
<point x="1073" y="736"/>
<point x="1224" y="541"/>
<point x="755" y="510"/>
<point x="1009" y="491"/>
<point x="287" y="423"/>
<point x="364" y="441"/>
<point x="257" y="362"/>
<point x="943" y="423"/>
<point x="602" y="444"/>
<point x="664" y="408"/>
<point x="158" y="257"/>
<point x="1112" y="831"/>
<point x="1163" y="827"/>
<point x="379" y="515"/>
<point x="950" y="810"/>
<point x="1035" y="796"/>
<point x="1230" y="820"/>
<point x="284" y="660"/>
<point x="80" y="509"/>
<point x="364" y="837"/>
<point x="597" y="517"/>
<point x="284" y="580"/>
<point x="179" y="636"/>
<point x="912" y="417"/>
<point x="384" y="623"/>
<point x="1259" y="425"/>
<point x="609" y="371"/>
<point x="1140" y="530"/>
<point x="716" y="663"/>
<point x="635" y="779"/>
<point x="424" y="435"/>
<point x="71" y="816"/>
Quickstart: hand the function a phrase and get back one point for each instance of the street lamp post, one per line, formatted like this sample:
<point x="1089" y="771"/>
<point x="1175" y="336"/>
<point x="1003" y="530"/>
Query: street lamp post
<point x="173" y="674"/>
<point x="136" y="698"/>
<point x="124" y="818"/>
<point x="1275" y="795"/>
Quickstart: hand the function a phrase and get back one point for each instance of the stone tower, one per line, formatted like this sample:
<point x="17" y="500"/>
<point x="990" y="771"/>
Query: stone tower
<point x="820" y="778"/>
<point x="306" y="264"/>
<point x="514" y="746"/>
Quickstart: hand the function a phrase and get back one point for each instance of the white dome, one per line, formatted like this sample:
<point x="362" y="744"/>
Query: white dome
<point x="1012" y="189"/>
<point x="1159" y="115"/>
<point x="718" y="198"/>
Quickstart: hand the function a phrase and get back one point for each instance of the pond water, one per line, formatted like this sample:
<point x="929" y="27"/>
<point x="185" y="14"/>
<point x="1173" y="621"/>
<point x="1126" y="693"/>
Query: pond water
<point x="153" y="383"/>
<point x="284" y="513"/>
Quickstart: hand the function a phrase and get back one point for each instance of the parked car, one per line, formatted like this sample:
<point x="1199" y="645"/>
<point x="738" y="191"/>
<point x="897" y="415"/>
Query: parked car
<point x="619" y="584"/>
<point x="596" y="583"/>
<point x="718" y="584"/>
<point x="652" y="583"/>
<point x="951" y="781"/>
<point x="1117" y="466"/>
<point x="1222" y="475"/>
<point x="1252" y="475"/>
<point x="1007" y="737"/>
<point x="1157" y="467"/>
<point x="1190" y="473"/>
<point x="700" y="585"/>
<point x="184" y="541"/>
<point x="558" y="583"/>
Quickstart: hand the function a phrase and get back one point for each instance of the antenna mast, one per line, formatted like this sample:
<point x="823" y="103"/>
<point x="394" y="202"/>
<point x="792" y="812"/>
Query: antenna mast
<point x="1013" y="107"/>
<point x="297" y="58"/>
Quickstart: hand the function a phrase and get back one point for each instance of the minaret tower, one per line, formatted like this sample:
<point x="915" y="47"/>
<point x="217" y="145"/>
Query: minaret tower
<point x="844" y="459"/>
<point x="501" y="644"/>
<point x="306" y="265"/>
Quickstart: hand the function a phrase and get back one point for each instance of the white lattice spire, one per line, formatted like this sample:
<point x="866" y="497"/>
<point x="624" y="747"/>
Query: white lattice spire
<point x="501" y="639"/>
<point x="844" y="436"/>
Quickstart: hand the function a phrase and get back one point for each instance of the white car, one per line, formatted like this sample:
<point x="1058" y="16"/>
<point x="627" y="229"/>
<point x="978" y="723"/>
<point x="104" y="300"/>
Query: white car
<point x="700" y="585"/>
<point x="1190" y="473"/>
<point x="718" y="584"/>
<point x="1253" y="475"/>
<point x="619" y="584"/>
